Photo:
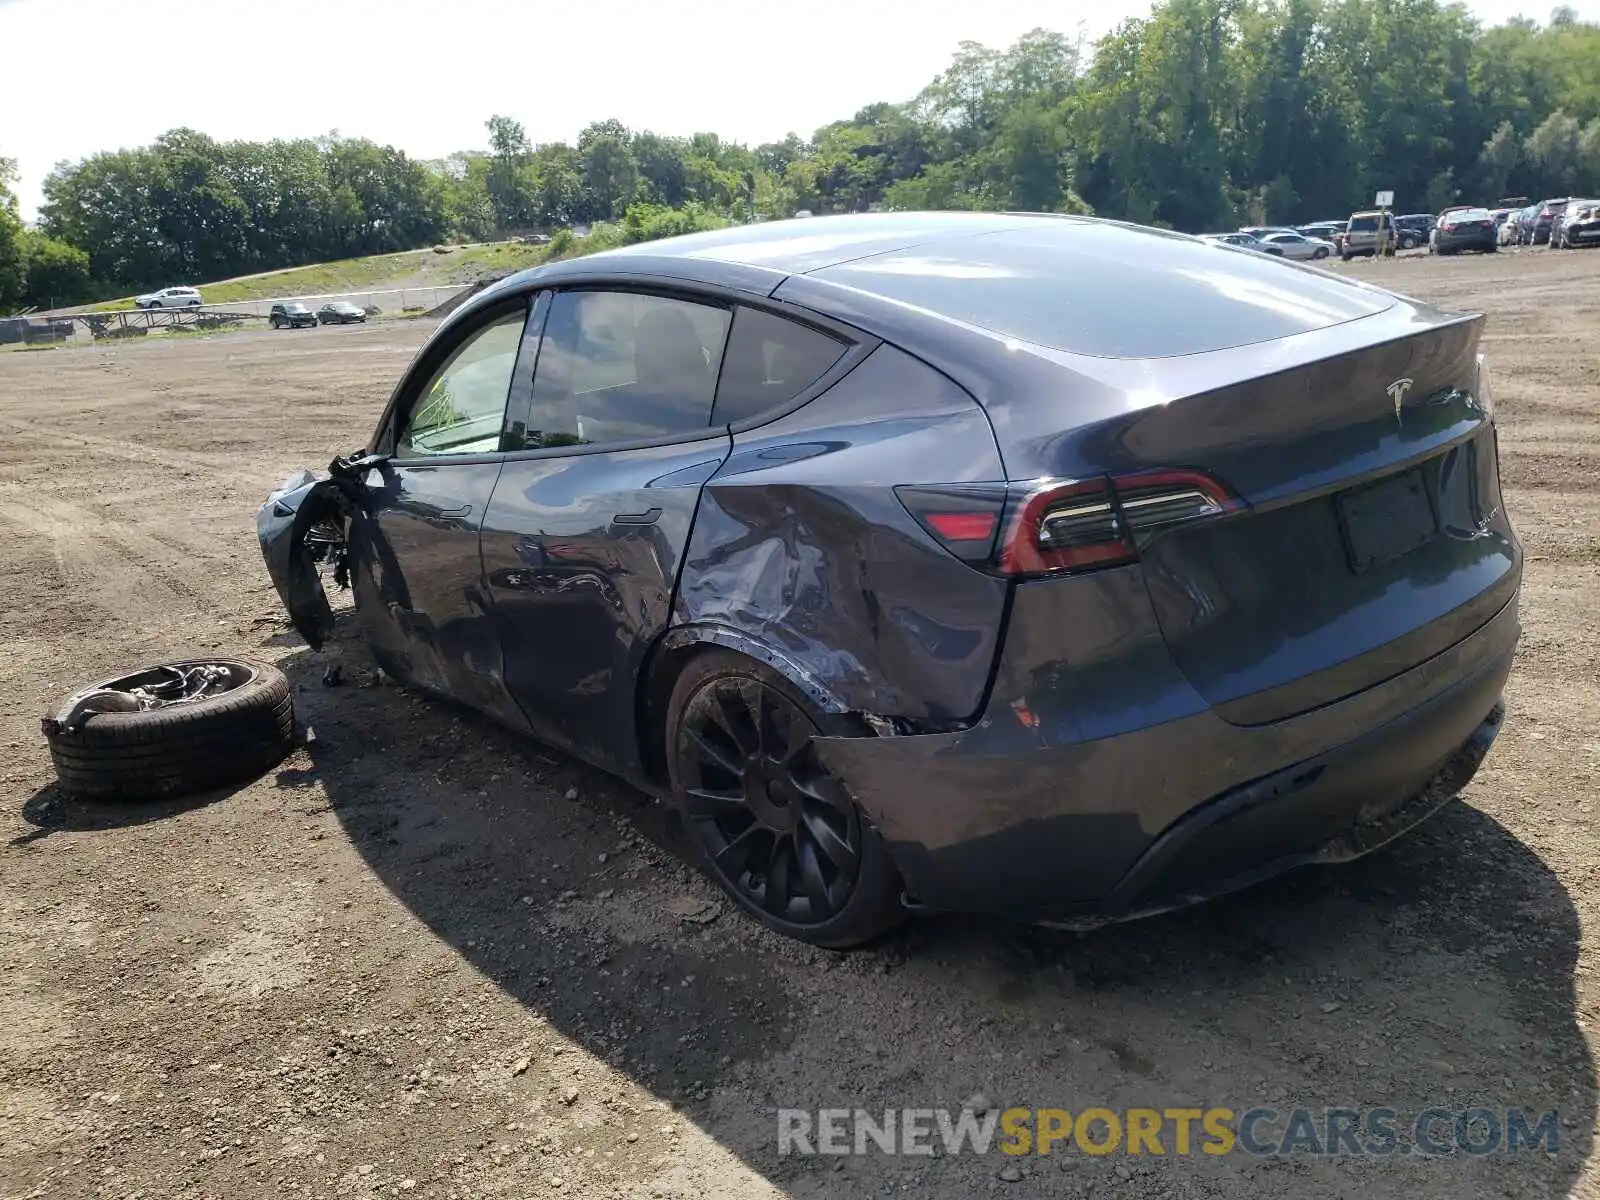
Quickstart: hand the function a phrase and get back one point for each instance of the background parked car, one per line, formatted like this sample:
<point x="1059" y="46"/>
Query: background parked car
<point x="1243" y="241"/>
<point x="1525" y="219"/>
<point x="1326" y="230"/>
<point x="1297" y="246"/>
<point x="1260" y="232"/>
<point x="340" y="312"/>
<point x="1363" y="232"/>
<point x="290" y="316"/>
<point x="1580" y="225"/>
<point x="172" y="297"/>
<point x="1412" y="229"/>
<point x="1464" y="229"/>
<point x="1545" y="218"/>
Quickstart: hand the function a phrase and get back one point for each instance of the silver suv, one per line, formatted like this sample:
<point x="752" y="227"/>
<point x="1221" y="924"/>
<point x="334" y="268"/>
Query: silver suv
<point x="1367" y="233"/>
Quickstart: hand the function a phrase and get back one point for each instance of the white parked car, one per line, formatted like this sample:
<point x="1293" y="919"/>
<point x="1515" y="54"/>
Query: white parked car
<point x="1297" y="246"/>
<point x="1242" y="241"/>
<point x="172" y="297"/>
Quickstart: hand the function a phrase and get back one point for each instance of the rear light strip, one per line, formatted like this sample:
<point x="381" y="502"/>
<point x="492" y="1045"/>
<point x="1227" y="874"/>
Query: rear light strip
<point x="1053" y="526"/>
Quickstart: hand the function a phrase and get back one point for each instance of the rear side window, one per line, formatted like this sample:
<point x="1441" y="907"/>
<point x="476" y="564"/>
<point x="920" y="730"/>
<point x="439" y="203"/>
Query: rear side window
<point x="1109" y="291"/>
<point x="624" y="366"/>
<point x="770" y="361"/>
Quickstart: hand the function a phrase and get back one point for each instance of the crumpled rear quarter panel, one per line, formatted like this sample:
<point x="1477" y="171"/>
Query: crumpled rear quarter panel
<point x="801" y="544"/>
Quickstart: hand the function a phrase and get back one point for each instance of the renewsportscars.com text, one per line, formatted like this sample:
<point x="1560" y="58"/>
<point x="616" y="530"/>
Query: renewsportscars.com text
<point x="1258" y="1131"/>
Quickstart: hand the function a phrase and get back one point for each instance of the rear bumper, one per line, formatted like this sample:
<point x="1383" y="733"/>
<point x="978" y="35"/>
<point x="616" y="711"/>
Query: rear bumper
<point x="1330" y="809"/>
<point x="1108" y="789"/>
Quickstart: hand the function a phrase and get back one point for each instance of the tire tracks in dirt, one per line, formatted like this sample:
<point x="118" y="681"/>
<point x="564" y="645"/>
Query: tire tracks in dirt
<point x="119" y="567"/>
<point x="117" y="450"/>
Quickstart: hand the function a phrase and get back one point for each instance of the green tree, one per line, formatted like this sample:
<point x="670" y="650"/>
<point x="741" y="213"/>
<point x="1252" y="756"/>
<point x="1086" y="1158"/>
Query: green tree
<point x="610" y="172"/>
<point x="1442" y="191"/>
<point x="558" y="192"/>
<point x="1553" y="153"/>
<point x="13" y="257"/>
<point x="57" y="274"/>
<point x="510" y="184"/>
<point x="662" y="166"/>
<point x="1498" y="161"/>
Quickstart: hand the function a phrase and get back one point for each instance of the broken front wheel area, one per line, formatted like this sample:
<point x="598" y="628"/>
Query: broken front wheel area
<point x="303" y="533"/>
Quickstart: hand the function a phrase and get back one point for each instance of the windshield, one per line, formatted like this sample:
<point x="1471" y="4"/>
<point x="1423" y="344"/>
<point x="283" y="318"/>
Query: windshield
<point x="1471" y="214"/>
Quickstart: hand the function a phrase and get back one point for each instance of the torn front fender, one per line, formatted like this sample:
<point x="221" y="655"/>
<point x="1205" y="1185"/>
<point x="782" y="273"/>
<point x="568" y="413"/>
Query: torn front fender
<point x="302" y="501"/>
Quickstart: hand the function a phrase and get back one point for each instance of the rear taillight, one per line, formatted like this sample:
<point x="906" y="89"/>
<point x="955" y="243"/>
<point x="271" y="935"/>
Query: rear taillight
<point x="1153" y="500"/>
<point x="1052" y="526"/>
<point x="1065" y="527"/>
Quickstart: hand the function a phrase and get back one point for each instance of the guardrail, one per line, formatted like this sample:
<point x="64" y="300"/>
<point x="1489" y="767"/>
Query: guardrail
<point x="138" y="322"/>
<point x="389" y="300"/>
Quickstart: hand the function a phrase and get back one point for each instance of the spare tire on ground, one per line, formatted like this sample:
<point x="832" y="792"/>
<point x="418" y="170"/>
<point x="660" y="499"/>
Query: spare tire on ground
<point x="172" y="729"/>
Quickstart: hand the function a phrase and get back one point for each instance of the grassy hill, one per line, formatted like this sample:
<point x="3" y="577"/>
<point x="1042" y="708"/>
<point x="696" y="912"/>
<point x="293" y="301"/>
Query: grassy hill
<point x="408" y="268"/>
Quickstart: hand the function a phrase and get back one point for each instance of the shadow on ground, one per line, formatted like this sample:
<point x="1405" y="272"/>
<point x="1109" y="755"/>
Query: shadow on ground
<point x="52" y="810"/>
<point x="1437" y="973"/>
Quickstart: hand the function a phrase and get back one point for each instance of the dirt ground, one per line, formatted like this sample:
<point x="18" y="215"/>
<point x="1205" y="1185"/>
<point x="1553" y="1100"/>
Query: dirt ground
<point x="424" y="958"/>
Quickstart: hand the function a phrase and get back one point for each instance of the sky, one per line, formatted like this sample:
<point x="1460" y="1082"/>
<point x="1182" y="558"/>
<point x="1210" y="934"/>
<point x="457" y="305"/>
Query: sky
<point x="424" y="75"/>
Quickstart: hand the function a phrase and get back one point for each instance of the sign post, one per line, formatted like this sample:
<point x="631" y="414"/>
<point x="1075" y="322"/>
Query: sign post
<point x="1385" y="201"/>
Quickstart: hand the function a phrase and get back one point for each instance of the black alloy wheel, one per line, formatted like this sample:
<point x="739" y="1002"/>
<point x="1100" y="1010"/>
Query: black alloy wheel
<point x="778" y="832"/>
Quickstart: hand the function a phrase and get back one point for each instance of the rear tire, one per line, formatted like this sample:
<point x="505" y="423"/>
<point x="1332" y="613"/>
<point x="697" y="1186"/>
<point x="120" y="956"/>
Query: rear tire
<point x="178" y="749"/>
<point x="776" y="831"/>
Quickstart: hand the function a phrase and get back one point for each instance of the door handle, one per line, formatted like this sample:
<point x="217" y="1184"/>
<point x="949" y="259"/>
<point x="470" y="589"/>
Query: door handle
<point x="451" y="513"/>
<point x="648" y="517"/>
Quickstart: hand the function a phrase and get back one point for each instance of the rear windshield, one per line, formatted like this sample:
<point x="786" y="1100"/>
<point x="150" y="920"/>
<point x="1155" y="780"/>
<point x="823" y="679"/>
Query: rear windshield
<point x="1363" y="224"/>
<point x="1110" y="291"/>
<point x="1470" y="214"/>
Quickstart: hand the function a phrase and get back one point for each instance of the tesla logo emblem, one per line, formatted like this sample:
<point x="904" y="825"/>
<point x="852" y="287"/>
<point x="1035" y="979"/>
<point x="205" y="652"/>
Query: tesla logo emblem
<point x="1397" y="392"/>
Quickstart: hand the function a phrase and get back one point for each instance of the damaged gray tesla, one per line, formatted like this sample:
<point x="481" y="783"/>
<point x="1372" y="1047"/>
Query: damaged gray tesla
<point x="1042" y="566"/>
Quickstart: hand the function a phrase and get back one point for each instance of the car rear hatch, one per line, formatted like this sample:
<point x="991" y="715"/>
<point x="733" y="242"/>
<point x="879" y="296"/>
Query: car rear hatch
<point x="1372" y="536"/>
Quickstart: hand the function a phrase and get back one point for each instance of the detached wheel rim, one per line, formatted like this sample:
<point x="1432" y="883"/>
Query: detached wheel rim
<point x="164" y="686"/>
<point x="776" y="827"/>
<point x="182" y="682"/>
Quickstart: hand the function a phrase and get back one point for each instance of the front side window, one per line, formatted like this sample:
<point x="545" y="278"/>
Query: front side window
<point x="461" y="409"/>
<point x="770" y="361"/>
<point x="624" y="366"/>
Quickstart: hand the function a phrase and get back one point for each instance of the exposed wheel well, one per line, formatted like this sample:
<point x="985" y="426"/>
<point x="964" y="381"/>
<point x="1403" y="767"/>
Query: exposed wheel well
<point x="662" y="668"/>
<point x="659" y="677"/>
